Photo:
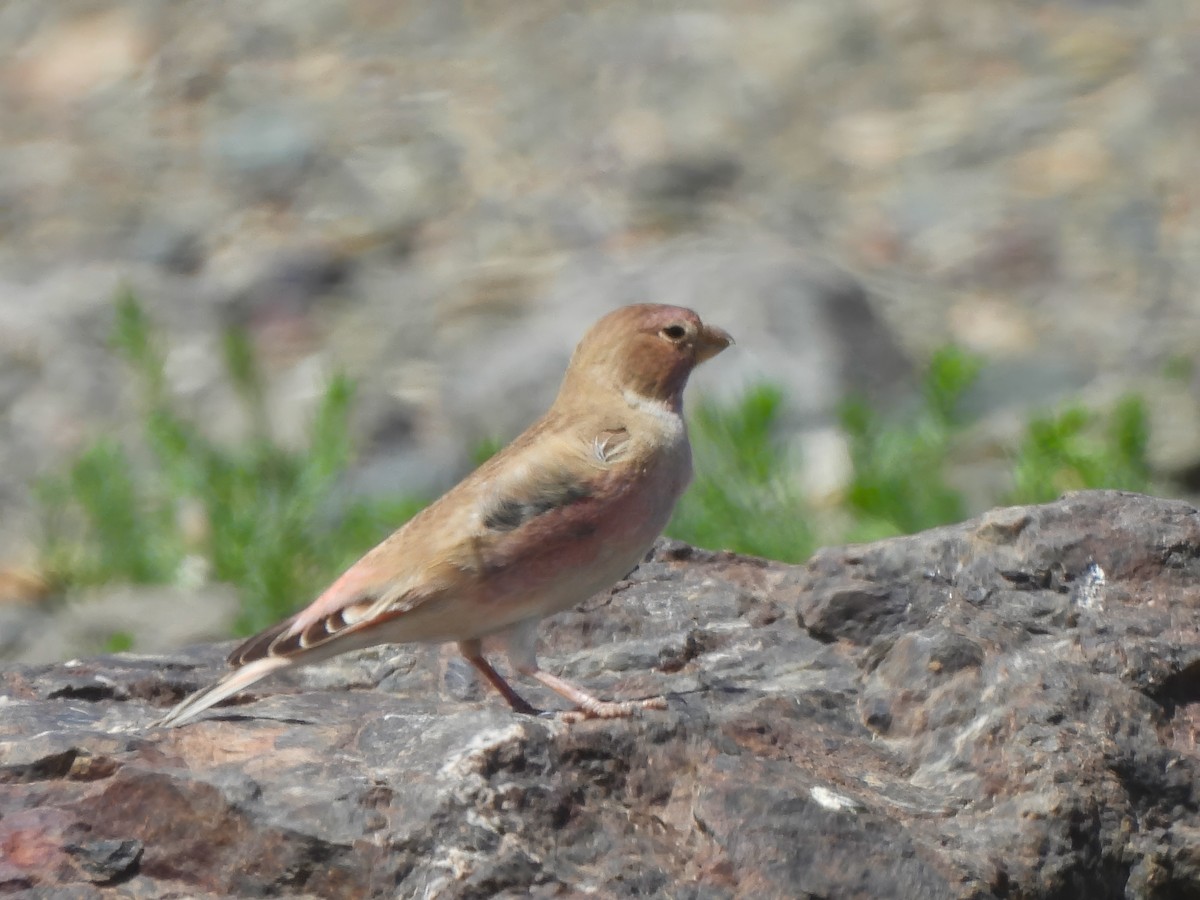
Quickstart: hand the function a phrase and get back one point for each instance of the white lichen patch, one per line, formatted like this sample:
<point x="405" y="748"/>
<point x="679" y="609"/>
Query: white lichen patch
<point x="832" y="800"/>
<point x="470" y="759"/>
<point x="1089" y="590"/>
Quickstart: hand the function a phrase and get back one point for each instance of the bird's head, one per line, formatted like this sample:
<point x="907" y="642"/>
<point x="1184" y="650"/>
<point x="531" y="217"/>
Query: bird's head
<point x="647" y="349"/>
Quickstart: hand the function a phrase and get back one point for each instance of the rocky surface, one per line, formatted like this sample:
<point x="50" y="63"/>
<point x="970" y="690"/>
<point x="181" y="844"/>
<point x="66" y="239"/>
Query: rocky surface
<point x="1006" y="708"/>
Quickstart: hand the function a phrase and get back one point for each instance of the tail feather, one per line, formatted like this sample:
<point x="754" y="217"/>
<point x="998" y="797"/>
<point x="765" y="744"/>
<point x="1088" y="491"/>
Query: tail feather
<point x="260" y="645"/>
<point x="229" y="685"/>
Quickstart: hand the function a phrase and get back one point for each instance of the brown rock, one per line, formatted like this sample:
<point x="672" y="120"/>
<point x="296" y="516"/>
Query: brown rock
<point x="1004" y="708"/>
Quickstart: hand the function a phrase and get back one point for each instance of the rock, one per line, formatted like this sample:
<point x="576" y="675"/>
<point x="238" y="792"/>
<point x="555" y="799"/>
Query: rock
<point x="70" y="60"/>
<point x="144" y="618"/>
<point x="1002" y="708"/>
<point x="266" y="151"/>
<point x="671" y="193"/>
<point x="17" y="622"/>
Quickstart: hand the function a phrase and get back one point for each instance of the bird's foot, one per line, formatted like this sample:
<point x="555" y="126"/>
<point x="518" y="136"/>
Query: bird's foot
<point x="520" y="705"/>
<point x="611" y="709"/>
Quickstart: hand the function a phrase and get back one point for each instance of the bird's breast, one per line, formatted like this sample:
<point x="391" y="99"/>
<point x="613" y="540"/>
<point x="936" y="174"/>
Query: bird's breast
<point x="563" y="558"/>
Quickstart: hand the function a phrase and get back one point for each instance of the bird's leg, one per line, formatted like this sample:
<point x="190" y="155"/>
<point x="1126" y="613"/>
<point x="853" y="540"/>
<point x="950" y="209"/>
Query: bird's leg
<point x="473" y="652"/>
<point x="589" y="707"/>
<point x="520" y="641"/>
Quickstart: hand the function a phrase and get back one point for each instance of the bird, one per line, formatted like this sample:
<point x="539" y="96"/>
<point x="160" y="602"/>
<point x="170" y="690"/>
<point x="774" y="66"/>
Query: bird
<point x="565" y="511"/>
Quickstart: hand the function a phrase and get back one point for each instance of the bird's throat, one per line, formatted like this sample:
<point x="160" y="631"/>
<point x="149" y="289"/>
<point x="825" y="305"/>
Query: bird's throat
<point x="667" y="410"/>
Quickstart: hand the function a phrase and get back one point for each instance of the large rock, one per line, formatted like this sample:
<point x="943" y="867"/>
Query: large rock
<point x="1004" y="708"/>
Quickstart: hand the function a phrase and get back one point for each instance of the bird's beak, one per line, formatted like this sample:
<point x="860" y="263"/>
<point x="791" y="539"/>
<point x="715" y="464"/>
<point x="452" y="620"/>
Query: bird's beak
<point x="711" y="341"/>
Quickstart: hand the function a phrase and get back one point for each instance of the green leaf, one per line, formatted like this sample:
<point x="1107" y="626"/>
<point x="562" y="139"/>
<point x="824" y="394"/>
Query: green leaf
<point x="262" y="507"/>
<point x="744" y="497"/>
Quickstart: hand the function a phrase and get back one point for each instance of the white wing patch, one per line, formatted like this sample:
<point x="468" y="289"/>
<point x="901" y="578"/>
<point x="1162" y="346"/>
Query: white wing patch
<point x="607" y="446"/>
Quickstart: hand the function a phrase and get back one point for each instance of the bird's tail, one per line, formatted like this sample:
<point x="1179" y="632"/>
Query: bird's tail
<point x="233" y="682"/>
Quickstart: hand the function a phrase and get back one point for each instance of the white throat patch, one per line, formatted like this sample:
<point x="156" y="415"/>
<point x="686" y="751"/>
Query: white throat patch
<point x="660" y="409"/>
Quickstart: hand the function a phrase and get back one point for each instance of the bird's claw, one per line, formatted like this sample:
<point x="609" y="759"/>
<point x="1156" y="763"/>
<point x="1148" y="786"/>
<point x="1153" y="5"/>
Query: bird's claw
<point x="612" y="709"/>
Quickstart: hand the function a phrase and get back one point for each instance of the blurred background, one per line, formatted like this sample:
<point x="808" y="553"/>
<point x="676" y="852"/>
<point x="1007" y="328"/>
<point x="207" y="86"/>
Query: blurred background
<point x="958" y="245"/>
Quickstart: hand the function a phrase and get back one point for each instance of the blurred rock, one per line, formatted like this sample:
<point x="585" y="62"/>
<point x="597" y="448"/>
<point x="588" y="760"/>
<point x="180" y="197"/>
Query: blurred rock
<point x="69" y="60"/>
<point x="1004" y="708"/>
<point x="18" y="623"/>
<point x="672" y="193"/>
<point x="266" y="151"/>
<point x="22" y="584"/>
<point x="147" y="619"/>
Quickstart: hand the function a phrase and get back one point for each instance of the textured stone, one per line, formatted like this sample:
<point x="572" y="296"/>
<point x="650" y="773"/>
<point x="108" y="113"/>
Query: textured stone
<point x="1004" y="708"/>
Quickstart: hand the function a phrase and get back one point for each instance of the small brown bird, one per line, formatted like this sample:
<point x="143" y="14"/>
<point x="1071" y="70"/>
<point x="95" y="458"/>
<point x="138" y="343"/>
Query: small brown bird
<point x="568" y="508"/>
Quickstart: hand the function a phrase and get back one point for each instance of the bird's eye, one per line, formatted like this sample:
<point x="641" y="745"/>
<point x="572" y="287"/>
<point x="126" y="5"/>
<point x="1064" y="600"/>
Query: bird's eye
<point x="673" y="332"/>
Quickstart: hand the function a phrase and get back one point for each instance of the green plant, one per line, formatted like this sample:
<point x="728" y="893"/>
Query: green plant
<point x="260" y="506"/>
<point x="129" y="537"/>
<point x="744" y="497"/>
<point x="1179" y="367"/>
<point x="118" y="642"/>
<point x="1076" y="448"/>
<point x="271" y="521"/>
<point x="899" y="483"/>
<point x="485" y="449"/>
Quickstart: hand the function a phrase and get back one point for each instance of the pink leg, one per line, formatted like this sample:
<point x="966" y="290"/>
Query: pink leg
<point x="589" y="707"/>
<point x="520" y="641"/>
<point x="474" y="655"/>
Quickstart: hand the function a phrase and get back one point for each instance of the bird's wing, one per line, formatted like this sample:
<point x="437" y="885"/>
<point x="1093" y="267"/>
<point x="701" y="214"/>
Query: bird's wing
<point x="515" y="502"/>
